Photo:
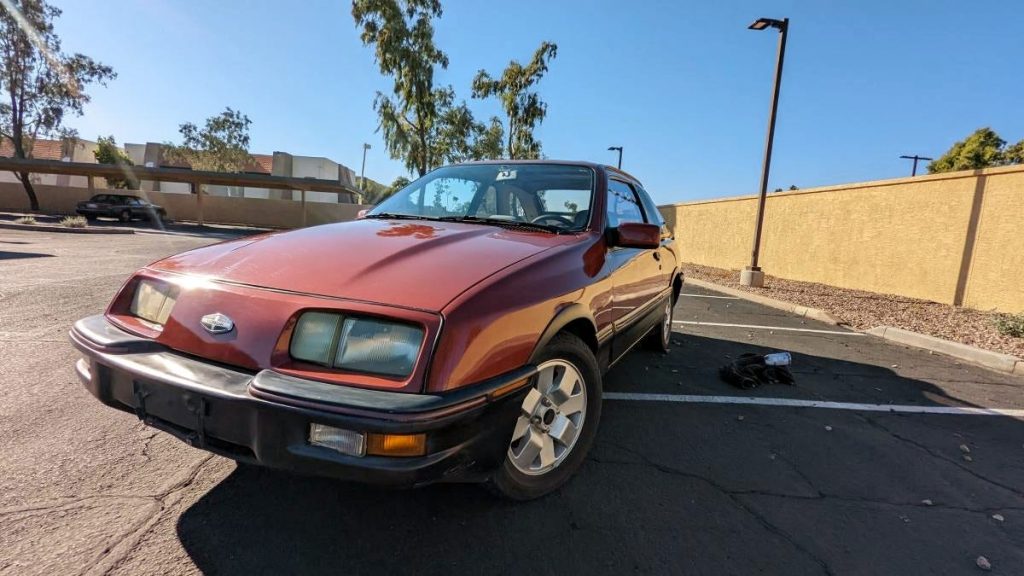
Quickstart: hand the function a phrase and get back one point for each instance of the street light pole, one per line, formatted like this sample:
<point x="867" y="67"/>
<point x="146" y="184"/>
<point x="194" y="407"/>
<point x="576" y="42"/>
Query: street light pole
<point x="362" y="173"/>
<point x="915" y="158"/>
<point x="619" y="148"/>
<point x="752" y="275"/>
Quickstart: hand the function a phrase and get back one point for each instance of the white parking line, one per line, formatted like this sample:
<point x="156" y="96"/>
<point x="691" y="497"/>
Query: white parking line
<point x="756" y="327"/>
<point x="709" y="296"/>
<point x="786" y="402"/>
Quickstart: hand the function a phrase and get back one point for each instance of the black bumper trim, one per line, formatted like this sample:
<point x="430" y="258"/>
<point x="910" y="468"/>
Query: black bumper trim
<point x="265" y="418"/>
<point x="413" y="405"/>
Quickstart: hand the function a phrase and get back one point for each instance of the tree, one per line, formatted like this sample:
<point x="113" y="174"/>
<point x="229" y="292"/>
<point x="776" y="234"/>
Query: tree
<point x="488" y="140"/>
<point x="396" y="185"/>
<point x="376" y="193"/>
<point x="41" y="84"/>
<point x="524" y="108"/>
<point x="108" y="152"/>
<point x="1014" y="154"/>
<point x="981" y="149"/>
<point x="69" y="142"/>
<point x="449" y="139"/>
<point x="402" y="34"/>
<point x="222" y="145"/>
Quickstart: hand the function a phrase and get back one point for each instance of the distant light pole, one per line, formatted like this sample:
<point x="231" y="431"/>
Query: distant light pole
<point x="362" y="173"/>
<point x="752" y="275"/>
<point x="915" y="158"/>
<point x="619" y="148"/>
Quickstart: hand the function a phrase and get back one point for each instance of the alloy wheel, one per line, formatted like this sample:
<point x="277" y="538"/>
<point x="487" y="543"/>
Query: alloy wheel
<point x="550" y="420"/>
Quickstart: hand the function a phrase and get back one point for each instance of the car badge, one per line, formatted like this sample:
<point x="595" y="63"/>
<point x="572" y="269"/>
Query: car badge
<point x="217" y="323"/>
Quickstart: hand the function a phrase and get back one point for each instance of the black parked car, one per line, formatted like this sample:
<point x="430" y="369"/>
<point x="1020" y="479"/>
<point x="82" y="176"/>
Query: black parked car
<point x="123" y="207"/>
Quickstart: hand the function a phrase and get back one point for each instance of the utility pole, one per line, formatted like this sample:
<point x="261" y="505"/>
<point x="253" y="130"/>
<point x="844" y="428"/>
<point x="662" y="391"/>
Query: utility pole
<point x="752" y="275"/>
<point x="915" y="158"/>
<point x="362" y="173"/>
<point x="619" y="148"/>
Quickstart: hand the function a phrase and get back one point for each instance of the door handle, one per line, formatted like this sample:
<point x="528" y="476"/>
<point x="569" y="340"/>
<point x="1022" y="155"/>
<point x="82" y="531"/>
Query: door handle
<point x="657" y="255"/>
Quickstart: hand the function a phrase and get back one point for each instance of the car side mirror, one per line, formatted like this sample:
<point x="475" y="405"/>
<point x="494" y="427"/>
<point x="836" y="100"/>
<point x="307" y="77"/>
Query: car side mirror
<point x="362" y="213"/>
<point x="636" y="235"/>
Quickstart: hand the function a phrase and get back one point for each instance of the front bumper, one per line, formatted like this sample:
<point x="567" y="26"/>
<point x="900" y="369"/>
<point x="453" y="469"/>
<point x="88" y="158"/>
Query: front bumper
<point x="264" y="418"/>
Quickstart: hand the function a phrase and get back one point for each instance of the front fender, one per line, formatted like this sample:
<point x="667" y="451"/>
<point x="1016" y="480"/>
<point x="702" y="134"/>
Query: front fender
<point x="573" y="313"/>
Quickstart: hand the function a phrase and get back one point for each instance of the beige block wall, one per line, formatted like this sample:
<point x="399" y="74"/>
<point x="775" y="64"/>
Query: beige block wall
<point x="56" y="199"/>
<point x="216" y="209"/>
<point x="996" y="273"/>
<point x="906" y="236"/>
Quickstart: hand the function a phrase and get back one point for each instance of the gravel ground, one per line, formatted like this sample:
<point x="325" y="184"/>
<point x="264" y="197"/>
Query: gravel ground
<point x="863" y="310"/>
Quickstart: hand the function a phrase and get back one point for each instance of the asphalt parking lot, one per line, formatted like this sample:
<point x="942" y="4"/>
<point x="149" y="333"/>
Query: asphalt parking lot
<point x="878" y="460"/>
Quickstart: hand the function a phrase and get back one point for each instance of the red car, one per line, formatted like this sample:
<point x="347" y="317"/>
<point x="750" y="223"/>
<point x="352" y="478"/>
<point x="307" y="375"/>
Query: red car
<point x="456" y="332"/>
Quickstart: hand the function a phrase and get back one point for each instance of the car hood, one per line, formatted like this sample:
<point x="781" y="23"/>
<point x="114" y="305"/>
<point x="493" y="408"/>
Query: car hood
<point x="416" y="264"/>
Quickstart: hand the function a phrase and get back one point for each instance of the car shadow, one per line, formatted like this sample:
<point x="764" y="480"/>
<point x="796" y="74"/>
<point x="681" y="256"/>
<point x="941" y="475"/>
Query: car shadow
<point x="607" y="519"/>
<point x="21" y="255"/>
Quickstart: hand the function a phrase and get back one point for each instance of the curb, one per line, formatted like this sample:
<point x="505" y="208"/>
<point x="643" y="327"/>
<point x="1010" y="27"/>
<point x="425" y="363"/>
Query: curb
<point x="63" y="230"/>
<point x="812" y="313"/>
<point x="994" y="360"/>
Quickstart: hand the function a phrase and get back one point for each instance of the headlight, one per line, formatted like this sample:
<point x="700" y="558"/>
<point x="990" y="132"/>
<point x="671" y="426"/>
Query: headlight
<point x="356" y="343"/>
<point x="153" y="301"/>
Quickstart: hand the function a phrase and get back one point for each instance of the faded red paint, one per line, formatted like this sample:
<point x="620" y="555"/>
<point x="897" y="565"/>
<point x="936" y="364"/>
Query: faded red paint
<point x="483" y="294"/>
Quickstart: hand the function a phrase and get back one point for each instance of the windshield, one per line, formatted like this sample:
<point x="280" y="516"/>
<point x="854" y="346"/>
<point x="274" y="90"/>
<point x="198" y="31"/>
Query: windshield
<point x="551" y="196"/>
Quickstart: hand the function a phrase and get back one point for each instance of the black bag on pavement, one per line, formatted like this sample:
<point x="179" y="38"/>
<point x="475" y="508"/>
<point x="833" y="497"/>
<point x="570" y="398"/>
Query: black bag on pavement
<point x="750" y="371"/>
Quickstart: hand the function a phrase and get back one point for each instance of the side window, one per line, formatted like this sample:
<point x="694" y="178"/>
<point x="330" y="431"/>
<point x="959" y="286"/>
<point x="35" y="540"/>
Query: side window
<point x="622" y="204"/>
<point x="653" y="214"/>
<point x="134" y="202"/>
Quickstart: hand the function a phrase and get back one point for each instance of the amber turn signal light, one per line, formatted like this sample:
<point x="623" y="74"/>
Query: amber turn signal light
<point x="396" y="444"/>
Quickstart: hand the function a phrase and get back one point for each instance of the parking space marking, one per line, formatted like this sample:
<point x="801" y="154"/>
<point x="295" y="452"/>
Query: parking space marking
<point x="793" y="403"/>
<point x="757" y="327"/>
<point x="709" y="296"/>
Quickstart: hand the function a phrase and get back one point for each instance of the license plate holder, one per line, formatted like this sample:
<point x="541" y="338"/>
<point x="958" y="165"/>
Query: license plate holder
<point x="176" y="411"/>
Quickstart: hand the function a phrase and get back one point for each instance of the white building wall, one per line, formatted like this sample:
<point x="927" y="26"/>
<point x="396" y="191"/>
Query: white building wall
<point x="301" y="167"/>
<point x="315" y="167"/>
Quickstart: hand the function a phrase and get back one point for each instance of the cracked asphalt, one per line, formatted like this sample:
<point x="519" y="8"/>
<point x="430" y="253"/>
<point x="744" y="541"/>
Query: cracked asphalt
<point x="670" y="487"/>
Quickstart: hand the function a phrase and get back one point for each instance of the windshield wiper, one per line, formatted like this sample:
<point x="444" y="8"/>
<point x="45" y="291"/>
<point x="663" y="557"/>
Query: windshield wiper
<point x="394" y="216"/>
<point x="504" y="222"/>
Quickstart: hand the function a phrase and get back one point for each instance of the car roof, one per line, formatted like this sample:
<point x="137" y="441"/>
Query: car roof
<point x="610" y="170"/>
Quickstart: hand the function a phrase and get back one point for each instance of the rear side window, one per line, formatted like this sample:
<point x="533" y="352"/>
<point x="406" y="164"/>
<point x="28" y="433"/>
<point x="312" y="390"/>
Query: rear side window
<point x="622" y="204"/>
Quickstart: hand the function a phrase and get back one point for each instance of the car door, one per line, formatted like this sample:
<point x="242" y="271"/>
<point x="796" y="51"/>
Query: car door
<point x="668" y="258"/>
<point x="103" y="205"/>
<point x="115" y="204"/>
<point x="137" y="208"/>
<point x="636" y="273"/>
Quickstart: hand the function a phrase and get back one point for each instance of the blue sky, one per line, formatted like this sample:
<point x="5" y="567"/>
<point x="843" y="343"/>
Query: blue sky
<point x="683" y="86"/>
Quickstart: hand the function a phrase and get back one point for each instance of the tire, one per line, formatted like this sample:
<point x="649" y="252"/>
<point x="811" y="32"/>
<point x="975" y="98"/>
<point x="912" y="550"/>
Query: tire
<point x="125" y="216"/>
<point x="659" y="339"/>
<point x="521" y="478"/>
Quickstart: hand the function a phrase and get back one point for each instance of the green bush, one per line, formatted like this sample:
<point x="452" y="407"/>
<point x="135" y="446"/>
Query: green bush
<point x="26" y="220"/>
<point x="1010" y="325"/>
<point x="74" y="222"/>
<point x="107" y="152"/>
